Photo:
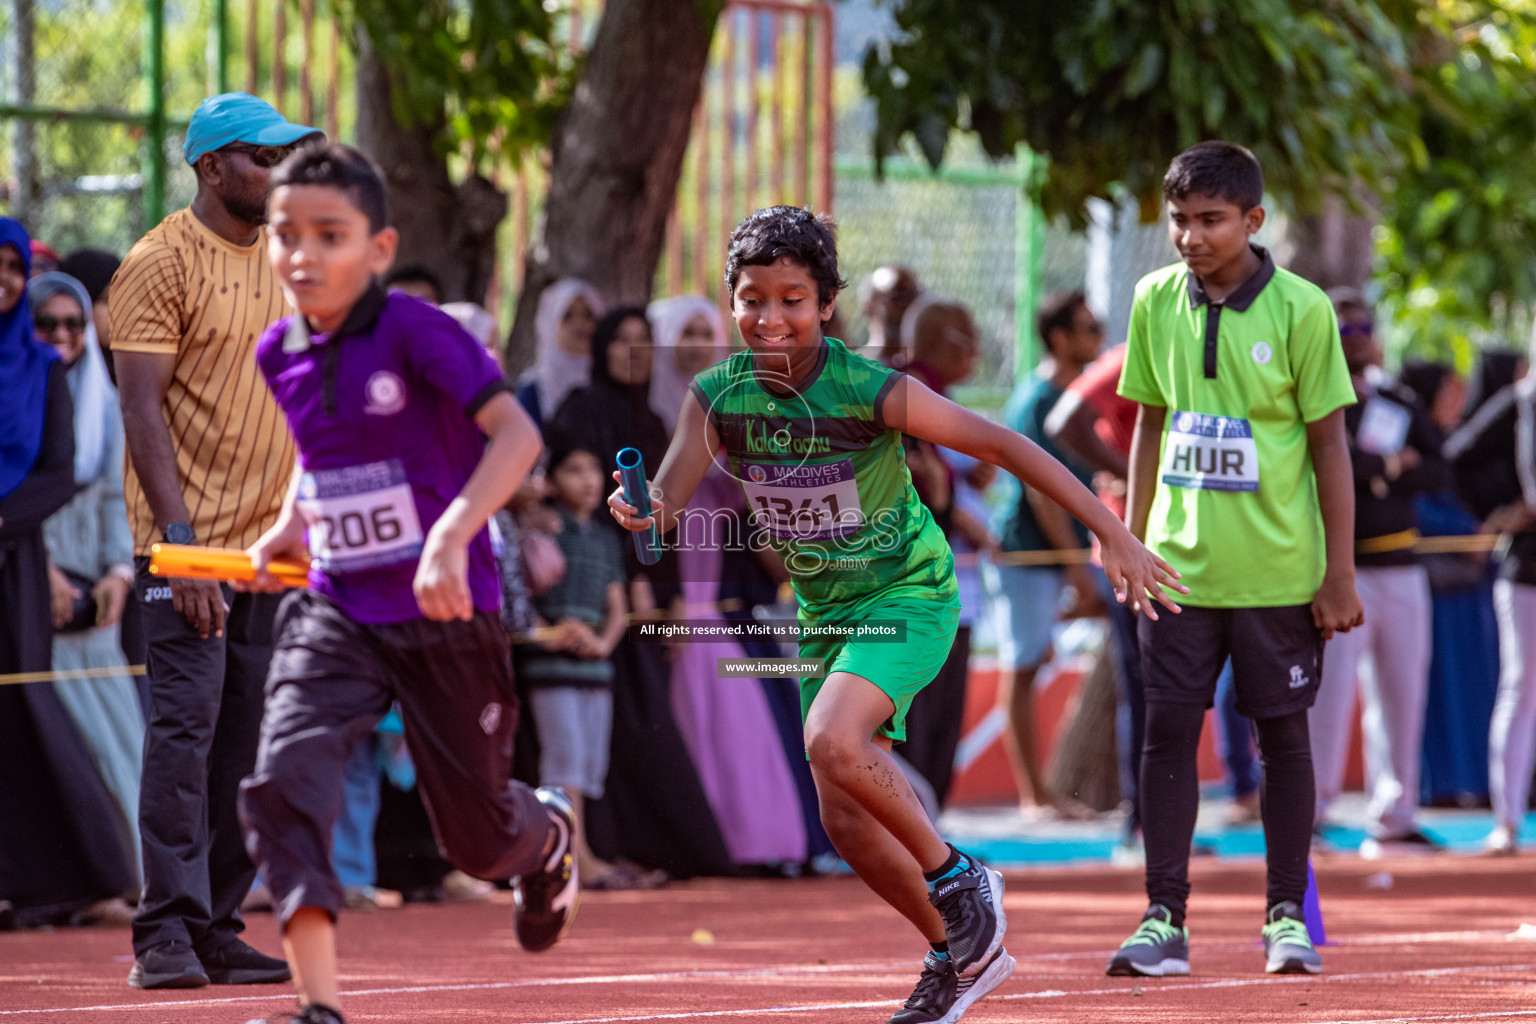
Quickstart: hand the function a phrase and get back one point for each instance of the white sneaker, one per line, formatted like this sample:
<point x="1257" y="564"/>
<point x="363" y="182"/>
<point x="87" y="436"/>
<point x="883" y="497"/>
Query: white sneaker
<point x="1501" y="842"/>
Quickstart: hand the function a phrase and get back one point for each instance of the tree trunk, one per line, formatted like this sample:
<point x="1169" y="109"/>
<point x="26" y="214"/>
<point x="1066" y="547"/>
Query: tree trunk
<point x="448" y="229"/>
<point x="617" y="156"/>
<point x="1330" y="248"/>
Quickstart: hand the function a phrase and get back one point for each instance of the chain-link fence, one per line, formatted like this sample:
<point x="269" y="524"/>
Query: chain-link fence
<point x="960" y="238"/>
<point x="89" y="87"/>
<point x="78" y="87"/>
<point x="960" y="232"/>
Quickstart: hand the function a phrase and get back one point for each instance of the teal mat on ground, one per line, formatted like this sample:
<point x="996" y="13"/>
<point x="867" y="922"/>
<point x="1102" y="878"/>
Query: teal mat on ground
<point x="1461" y="832"/>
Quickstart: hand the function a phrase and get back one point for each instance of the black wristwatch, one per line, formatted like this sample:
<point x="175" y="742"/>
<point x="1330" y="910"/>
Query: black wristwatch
<point x="179" y="533"/>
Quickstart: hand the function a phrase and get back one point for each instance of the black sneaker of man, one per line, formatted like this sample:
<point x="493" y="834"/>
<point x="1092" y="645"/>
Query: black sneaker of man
<point x="172" y="965"/>
<point x="314" y="1013"/>
<point x="1288" y="948"/>
<point x="971" y="904"/>
<point x="236" y="963"/>
<point x="1156" y="949"/>
<point x="942" y="996"/>
<point x="545" y="901"/>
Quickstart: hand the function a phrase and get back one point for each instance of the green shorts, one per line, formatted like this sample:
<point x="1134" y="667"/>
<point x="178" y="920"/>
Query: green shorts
<point x="901" y="668"/>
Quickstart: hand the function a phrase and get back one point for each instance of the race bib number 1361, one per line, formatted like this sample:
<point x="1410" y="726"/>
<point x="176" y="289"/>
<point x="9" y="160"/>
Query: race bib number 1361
<point x="360" y="517"/>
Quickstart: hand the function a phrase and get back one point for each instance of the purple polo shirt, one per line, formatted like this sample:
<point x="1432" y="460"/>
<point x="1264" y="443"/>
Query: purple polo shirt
<point x="382" y="411"/>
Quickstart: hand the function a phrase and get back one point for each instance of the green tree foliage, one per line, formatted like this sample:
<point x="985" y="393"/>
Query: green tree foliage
<point x="491" y="71"/>
<point x="1457" y="239"/>
<point x="1429" y="105"/>
<point x="1111" y="90"/>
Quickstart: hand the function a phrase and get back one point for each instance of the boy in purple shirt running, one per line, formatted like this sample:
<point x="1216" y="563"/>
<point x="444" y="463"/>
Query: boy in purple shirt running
<point x="390" y="404"/>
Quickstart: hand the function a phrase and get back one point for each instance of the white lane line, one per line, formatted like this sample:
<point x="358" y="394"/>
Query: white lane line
<point x="1145" y="985"/>
<point x="496" y="986"/>
<point x="1492" y="1014"/>
<point x="825" y="969"/>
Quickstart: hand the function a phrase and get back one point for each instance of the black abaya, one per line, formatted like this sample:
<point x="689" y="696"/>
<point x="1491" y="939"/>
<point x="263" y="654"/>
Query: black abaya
<point x="61" y="847"/>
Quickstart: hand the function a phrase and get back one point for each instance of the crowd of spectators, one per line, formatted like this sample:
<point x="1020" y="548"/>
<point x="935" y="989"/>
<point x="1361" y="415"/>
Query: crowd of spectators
<point x="675" y="771"/>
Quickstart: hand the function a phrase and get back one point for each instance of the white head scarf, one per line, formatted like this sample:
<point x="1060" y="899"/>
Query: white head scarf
<point x="475" y="319"/>
<point x="558" y="373"/>
<point x="668" y="319"/>
<point x="94" y="396"/>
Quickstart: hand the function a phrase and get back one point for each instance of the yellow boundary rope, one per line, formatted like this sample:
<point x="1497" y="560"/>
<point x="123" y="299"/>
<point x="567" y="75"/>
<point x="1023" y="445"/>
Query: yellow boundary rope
<point x="1462" y="544"/>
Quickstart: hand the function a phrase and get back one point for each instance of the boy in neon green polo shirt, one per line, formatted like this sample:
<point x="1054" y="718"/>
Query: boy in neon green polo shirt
<point x="1240" y="476"/>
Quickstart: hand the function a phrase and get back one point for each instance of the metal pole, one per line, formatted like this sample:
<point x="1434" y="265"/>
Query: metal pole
<point x="1028" y="246"/>
<point x="154" y="136"/>
<point x="306" y="61"/>
<point x="24" y="132"/>
<point x="824" y="126"/>
<point x="252" y="57"/>
<point x="279" y="55"/>
<point x="754" y="150"/>
<point x="219" y="44"/>
<point x="727" y="32"/>
<point x="803" y="117"/>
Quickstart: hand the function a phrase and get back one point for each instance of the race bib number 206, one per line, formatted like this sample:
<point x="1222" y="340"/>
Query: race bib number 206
<point x="1210" y="453"/>
<point x="360" y="517"/>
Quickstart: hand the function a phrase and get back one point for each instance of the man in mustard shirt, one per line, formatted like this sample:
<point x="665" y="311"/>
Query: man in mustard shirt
<point x="209" y="462"/>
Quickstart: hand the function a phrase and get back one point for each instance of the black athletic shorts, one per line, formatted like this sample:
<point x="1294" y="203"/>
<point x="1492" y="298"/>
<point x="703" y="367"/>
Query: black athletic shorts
<point x="1277" y="657"/>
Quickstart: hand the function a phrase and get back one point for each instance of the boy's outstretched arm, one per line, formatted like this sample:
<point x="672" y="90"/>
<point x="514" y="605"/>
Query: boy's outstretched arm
<point x="1146" y="445"/>
<point x="1135" y="572"/>
<point x="693" y="448"/>
<point x="1336" y="608"/>
<point x="442" y="577"/>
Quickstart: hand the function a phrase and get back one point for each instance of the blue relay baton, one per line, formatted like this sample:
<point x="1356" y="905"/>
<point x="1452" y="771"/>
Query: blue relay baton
<point x="632" y="478"/>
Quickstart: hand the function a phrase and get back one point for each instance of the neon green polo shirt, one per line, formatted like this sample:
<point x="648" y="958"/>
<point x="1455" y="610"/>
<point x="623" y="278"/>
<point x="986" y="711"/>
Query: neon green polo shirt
<point x="1236" y="510"/>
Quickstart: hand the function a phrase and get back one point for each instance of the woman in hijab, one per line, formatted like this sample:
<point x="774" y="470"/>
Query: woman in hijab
<point x="690" y="337"/>
<point x="60" y="850"/>
<point x="655" y="811"/>
<point x="94" y="269"/>
<point x="727" y="723"/>
<point x="1464" y="666"/>
<point x="90" y="551"/>
<point x="568" y="312"/>
<point x="1493" y="455"/>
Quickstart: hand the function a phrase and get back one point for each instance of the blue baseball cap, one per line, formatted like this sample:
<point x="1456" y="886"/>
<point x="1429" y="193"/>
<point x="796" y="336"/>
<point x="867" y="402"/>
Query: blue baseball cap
<point x="238" y="117"/>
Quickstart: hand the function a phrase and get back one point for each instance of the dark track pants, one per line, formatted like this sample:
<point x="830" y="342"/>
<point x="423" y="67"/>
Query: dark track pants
<point x="332" y="679"/>
<point x="200" y="741"/>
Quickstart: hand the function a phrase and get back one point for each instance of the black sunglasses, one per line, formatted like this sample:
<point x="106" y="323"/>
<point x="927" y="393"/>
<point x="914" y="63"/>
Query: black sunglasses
<point x="1360" y="329"/>
<point x="49" y="324"/>
<point x="261" y="156"/>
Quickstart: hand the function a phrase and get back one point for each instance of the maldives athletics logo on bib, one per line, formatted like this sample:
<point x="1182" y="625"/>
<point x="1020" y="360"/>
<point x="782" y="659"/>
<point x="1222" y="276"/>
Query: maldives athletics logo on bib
<point x="385" y="393"/>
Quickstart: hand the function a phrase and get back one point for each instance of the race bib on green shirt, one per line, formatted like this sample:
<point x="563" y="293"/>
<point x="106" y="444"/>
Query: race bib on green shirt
<point x="1210" y="453"/>
<point x="805" y="502"/>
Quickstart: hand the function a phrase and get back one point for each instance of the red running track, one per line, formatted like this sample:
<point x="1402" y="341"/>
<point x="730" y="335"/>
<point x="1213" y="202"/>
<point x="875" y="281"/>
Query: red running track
<point x="1435" y="947"/>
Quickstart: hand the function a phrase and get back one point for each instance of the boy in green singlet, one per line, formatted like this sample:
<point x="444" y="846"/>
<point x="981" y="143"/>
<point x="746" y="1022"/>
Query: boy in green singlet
<point x="813" y="433"/>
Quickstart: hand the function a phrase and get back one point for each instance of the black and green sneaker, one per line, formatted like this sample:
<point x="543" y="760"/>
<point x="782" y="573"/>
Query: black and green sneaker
<point x="1156" y="949"/>
<point x="1288" y="948"/>
<point x="942" y="996"/>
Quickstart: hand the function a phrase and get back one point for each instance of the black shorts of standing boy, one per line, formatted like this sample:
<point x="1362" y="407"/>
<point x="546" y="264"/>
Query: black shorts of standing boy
<point x="331" y="681"/>
<point x="1277" y="661"/>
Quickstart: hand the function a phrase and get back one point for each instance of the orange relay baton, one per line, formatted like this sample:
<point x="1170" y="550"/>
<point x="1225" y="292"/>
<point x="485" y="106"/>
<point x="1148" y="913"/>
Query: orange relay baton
<point x="186" y="561"/>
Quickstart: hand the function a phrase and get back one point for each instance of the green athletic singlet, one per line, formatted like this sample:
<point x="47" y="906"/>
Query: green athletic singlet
<point x="828" y="480"/>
